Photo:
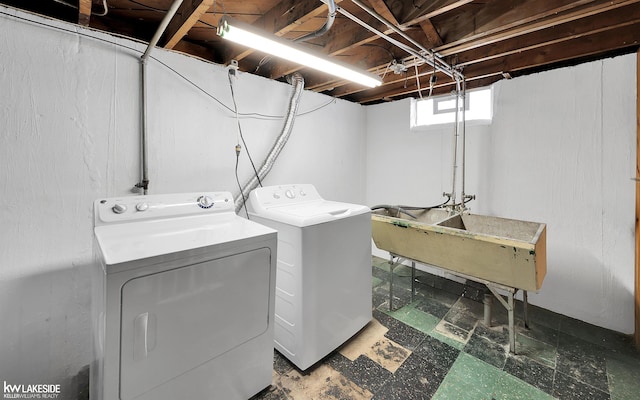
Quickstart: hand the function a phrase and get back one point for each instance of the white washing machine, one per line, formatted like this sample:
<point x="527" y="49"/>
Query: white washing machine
<point x="323" y="284"/>
<point x="183" y="299"/>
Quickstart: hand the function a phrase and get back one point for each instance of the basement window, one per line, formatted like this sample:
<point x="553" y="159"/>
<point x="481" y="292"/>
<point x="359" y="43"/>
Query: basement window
<point x="440" y="110"/>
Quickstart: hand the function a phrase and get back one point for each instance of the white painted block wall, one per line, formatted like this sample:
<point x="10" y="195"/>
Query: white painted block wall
<point x="70" y="126"/>
<point x="560" y="150"/>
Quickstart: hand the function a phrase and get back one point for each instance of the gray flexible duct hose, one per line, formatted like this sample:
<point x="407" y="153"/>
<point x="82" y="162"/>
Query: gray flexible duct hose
<point x="298" y="85"/>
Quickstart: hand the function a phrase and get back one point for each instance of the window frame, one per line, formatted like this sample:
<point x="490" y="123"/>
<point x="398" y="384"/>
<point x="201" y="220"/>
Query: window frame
<point x="415" y="109"/>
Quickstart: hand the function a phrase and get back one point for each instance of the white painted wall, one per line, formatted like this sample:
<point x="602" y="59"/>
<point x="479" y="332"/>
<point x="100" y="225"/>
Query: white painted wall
<point x="560" y="150"/>
<point x="69" y="116"/>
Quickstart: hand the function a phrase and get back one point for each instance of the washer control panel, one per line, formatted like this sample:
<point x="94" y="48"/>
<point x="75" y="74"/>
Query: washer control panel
<point x="270" y="196"/>
<point x="127" y="208"/>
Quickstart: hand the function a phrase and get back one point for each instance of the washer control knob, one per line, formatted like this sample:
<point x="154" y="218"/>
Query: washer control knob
<point x="276" y="195"/>
<point x="302" y="193"/>
<point x="205" y="202"/>
<point x="142" y="206"/>
<point x="290" y="194"/>
<point x="119" y="208"/>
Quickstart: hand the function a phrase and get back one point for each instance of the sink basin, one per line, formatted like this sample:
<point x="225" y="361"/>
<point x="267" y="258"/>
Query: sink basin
<point x="426" y="216"/>
<point x="505" y="251"/>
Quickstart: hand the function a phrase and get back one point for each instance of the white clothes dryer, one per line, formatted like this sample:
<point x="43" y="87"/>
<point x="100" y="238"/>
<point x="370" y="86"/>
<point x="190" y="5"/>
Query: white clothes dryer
<point x="323" y="283"/>
<point x="183" y="299"/>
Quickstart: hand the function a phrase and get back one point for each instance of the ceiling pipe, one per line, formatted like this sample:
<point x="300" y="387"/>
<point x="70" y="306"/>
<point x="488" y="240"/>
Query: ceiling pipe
<point x="331" y="16"/>
<point x="144" y="183"/>
<point x="432" y="60"/>
<point x="434" y="57"/>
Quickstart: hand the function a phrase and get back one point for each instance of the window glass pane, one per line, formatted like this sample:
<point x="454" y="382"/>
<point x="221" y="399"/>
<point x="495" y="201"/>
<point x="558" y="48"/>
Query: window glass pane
<point x="441" y="110"/>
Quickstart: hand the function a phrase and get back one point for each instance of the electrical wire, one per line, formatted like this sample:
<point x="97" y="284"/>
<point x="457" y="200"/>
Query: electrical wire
<point x="147" y="6"/>
<point x="418" y="80"/>
<point x="432" y="79"/>
<point x="104" y="6"/>
<point x="235" y="107"/>
<point x="253" y="115"/>
<point x="244" y="201"/>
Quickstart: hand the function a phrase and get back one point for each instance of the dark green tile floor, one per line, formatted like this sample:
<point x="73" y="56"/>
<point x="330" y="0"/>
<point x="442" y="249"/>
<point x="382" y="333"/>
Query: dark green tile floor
<point x="437" y="347"/>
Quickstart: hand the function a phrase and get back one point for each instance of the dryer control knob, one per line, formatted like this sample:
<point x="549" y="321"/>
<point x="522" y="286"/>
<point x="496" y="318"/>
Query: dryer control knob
<point x="290" y="194"/>
<point x="119" y="208"/>
<point x="276" y="196"/>
<point x="205" y="202"/>
<point x="142" y="206"/>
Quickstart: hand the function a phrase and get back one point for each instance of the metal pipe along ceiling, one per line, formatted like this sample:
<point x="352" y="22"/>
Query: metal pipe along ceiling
<point x="432" y="59"/>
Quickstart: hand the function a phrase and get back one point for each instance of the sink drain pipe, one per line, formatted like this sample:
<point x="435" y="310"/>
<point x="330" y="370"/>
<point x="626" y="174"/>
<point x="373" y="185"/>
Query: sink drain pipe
<point x="298" y="85"/>
<point x="144" y="183"/>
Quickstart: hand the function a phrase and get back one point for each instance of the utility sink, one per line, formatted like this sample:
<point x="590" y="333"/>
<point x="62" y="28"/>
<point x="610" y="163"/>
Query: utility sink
<point x="505" y="251"/>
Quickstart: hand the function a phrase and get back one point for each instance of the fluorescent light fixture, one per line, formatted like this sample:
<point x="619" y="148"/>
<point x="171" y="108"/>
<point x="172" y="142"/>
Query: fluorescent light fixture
<point x="249" y="36"/>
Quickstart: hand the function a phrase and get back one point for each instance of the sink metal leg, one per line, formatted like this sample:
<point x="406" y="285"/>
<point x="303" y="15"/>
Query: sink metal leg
<point x="413" y="281"/>
<point x="512" y="334"/>
<point x="391" y="267"/>
<point x="525" y="303"/>
<point x="488" y="305"/>
<point x="510" y="310"/>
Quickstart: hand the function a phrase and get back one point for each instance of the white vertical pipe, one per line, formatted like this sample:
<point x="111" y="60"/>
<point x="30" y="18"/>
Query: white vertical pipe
<point x="144" y="183"/>
<point x="455" y="146"/>
<point x="464" y="137"/>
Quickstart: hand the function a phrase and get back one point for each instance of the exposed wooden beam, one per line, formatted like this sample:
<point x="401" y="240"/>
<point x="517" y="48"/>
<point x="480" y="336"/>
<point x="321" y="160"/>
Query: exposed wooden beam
<point x="399" y="91"/>
<point x="195" y="50"/>
<point x="430" y="9"/>
<point x="589" y="45"/>
<point x="590" y="25"/>
<point x="186" y="17"/>
<point x="84" y="12"/>
<point x="395" y="82"/>
<point x="433" y="38"/>
<point x="381" y="8"/>
<point x="531" y="23"/>
<point x="595" y="42"/>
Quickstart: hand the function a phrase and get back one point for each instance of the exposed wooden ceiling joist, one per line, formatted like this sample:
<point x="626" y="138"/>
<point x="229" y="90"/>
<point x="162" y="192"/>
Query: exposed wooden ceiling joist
<point x="486" y="38"/>
<point x="186" y="17"/>
<point x="84" y="12"/>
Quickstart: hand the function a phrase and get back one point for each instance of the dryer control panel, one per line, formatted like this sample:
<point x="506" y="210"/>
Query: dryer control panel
<point x="130" y="208"/>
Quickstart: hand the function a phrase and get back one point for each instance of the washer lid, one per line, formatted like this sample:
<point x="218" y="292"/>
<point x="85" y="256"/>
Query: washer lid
<point x="299" y="205"/>
<point x="120" y="243"/>
<point x="311" y="213"/>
